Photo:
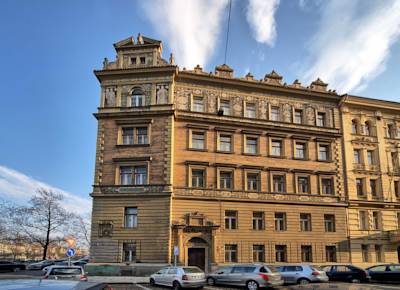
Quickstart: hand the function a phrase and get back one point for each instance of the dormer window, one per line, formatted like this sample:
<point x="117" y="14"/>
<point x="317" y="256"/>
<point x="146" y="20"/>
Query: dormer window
<point x="137" y="98"/>
<point x="142" y="60"/>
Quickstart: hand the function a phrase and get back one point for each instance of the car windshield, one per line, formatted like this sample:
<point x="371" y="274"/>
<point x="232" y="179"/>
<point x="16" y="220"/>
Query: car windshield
<point x="192" y="270"/>
<point x="66" y="271"/>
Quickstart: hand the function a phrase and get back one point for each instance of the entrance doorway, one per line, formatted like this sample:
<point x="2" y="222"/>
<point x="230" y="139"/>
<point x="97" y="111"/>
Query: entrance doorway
<point x="197" y="257"/>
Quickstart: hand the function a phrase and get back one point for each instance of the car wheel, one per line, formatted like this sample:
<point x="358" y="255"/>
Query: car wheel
<point x="152" y="282"/>
<point x="303" y="281"/>
<point x="211" y="281"/>
<point x="17" y="269"/>
<point x="176" y="285"/>
<point x="252" y="285"/>
<point x="355" y="280"/>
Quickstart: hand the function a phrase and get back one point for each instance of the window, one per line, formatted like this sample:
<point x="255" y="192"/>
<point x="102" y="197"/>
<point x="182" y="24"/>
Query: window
<point x="300" y="150"/>
<point x="323" y="152"/>
<point x="327" y="186"/>
<point x="142" y="60"/>
<point x="363" y="216"/>
<point x="280" y="253"/>
<point x="360" y="186"/>
<point x="298" y="116"/>
<point x="372" y="187"/>
<point x="364" y="252"/>
<point x="378" y="253"/>
<point x="376" y="220"/>
<point x="231" y="253"/>
<point x="398" y="220"/>
<point x="225" y="106"/>
<point x="252" y="181"/>
<point x="258" y="220"/>
<point x="330" y="253"/>
<point x="129" y="250"/>
<point x="329" y="223"/>
<point x="354" y="126"/>
<point x="133" y="175"/>
<point x="137" y="98"/>
<point x="141" y="135"/>
<point x="131" y="217"/>
<point x="275" y="114"/>
<point x="396" y="184"/>
<point x="367" y="129"/>
<point x="251" y="145"/>
<point x="198" y="178"/>
<point x="198" y="140"/>
<point x="250" y="110"/>
<point x="133" y="60"/>
<point x="230" y="219"/>
<point x="259" y="253"/>
<point x="127" y="135"/>
<point x="276" y="148"/>
<point x="395" y="160"/>
<point x="321" y="119"/>
<point x="303" y="184"/>
<point x="198" y="104"/>
<point x="389" y="130"/>
<point x="306" y="253"/>
<point x="225" y="143"/>
<point x="370" y="157"/>
<point x="357" y="156"/>
<point x="305" y="222"/>
<point x="280" y="221"/>
<point x="278" y="182"/>
<point x="225" y="180"/>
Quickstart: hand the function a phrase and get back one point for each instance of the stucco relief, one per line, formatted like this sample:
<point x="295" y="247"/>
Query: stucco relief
<point x="237" y="106"/>
<point x="110" y="96"/>
<point x="262" y="109"/>
<point x="212" y="102"/>
<point x="310" y="115"/>
<point x="287" y="113"/>
<point x="162" y="93"/>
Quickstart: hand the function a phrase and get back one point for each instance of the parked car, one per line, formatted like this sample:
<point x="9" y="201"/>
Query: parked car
<point x="252" y="276"/>
<point x="65" y="273"/>
<point x="301" y="274"/>
<point x="66" y="263"/>
<point x="11" y="266"/>
<point x="179" y="277"/>
<point x="385" y="273"/>
<point x="346" y="273"/>
<point x="40" y="265"/>
<point x="35" y="284"/>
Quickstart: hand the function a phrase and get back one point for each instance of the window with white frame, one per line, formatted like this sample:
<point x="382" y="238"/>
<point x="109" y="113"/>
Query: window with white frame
<point x="137" y="98"/>
<point x="376" y="220"/>
<point x="280" y="221"/>
<point x="142" y="135"/>
<point x="298" y="116"/>
<point x="197" y="178"/>
<point x="363" y="220"/>
<point x="306" y="253"/>
<point x="276" y="147"/>
<point x="370" y="157"/>
<point x="327" y="185"/>
<point x="225" y="106"/>
<point x="323" y="154"/>
<point x="300" y="150"/>
<point x="225" y="179"/>
<point x="231" y="253"/>
<point x="250" y="110"/>
<point x="133" y="175"/>
<point x="231" y="217"/>
<point x="252" y="181"/>
<point x="330" y="223"/>
<point x="330" y="254"/>
<point x="258" y="220"/>
<point x="130" y="217"/>
<point x="360" y="186"/>
<point x="280" y="253"/>
<point x="278" y="182"/>
<point x="305" y="222"/>
<point x="303" y="184"/>
<point x="225" y="143"/>
<point x="251" y="145"/>
<point x="129" y="252"/>
<point x="198" y="140"/>
<point x="373" y="187"/>
<point x="321" y="119"/>
<point x="258" y="253"/>
<point x="275" y="114"/>
<point x="357" y="156"/>
<point x="128" y="135"/>
<point x="198" y="104"/>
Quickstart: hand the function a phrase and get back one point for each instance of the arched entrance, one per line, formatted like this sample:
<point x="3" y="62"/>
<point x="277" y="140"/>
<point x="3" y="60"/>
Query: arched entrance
<point x="197" y="253"/>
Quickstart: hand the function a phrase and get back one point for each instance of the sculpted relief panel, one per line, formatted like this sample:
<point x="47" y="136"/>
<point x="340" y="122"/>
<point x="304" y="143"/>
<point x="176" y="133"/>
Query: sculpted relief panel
<point x="162" y="94"/>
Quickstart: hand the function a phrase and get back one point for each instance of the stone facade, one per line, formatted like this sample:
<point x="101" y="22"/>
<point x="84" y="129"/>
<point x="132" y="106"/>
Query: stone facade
<point x="225" y="169"/>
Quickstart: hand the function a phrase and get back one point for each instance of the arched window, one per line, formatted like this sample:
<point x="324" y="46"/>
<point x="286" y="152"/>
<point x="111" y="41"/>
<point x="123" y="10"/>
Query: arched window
<point x="367" y="128"/>
<point x="137" y="98"/>
<point x="354" y="126"/>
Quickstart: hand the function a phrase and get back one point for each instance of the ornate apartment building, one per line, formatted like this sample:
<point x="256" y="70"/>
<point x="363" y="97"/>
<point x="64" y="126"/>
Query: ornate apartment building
<point x="229" y="169"/>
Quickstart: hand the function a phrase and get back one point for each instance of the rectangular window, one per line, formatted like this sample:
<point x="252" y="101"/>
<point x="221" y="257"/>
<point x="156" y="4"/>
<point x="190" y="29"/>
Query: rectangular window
<point x="258" y="253"/>
<point x="142" y="60"/>
<point x="376" y="220"/>
<point x="133" y="175"/>
<point x="365" y="254"/>
<point x="137" y="100"/>
<point x="305" y="222"/>
<point x="321" y="119"/>
<point x="133" y="60"/>
<point x="129" y="250"/>
<point x="251" y="145"/>
<point x="141" y="135"/>
<point x="395" y="160"/>
<point x="252" y="181"/>
<point x="372" y="187"/>
<point x="198" y="104"/>
<point x="323" y="152"/>
<point x="363" y="216"/>
<point x="396" y="184"/>
<point x="231" y="219"/>
<point x="280" y="221"/>
<point x="250" y="110"/>
<point x="198" y="140"/>
<point x="298" y="116"/>
<point x="370" y="157"/>
<point x="357" y="156"/>
<point x="303" y="184"/>
<point x="330" y="224"/>
<point x="198" y="178"/>
<point x="225" y="143"/>
<point x="300" y="150"/>
<point x="231" y="254"/>
<point x="280" y="253"/>
<point x="360" y="186"/>
<point x="330" y="252"/>
<point x="130" y="217"/>
<point x="378" y="254"/>
<point x="389" y="131"/>
<point x="127" y="135"/>
<point x="306" y="253"/>
<point x="276" y="148"/>
<point x="225" y="106"/>
<point x="258" y="220"/>
<point x="275" y="114"/>
<point x="398" y="220"/>
<point x="327" y="186"/>
<point x="225" y="180"/>
<point x="278" y="182"/>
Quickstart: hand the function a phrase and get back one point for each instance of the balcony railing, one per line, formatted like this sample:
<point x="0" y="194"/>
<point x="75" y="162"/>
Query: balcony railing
<point x="132" y="189"/>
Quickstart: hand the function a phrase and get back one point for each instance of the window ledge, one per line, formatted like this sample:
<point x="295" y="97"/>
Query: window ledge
<point x="224" y="152"/>
<point x="133" y="145"/>
<point x="325" y="161"/>
<point x="277" y="156"/>
<point x="251" y="154"/>
<point x="303" y="159"/>
<point x="199" y="150"/>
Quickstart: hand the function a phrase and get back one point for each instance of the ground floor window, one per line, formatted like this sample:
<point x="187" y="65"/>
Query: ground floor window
<point x="306" y="253"/>
<point x="231" y="253"/>
<point x="258" y="253"/>
<point x="280" y="253"/>
<point x="129" y="252"/>
<point x="330" y="252"/>
<point x="364" y="252"/>
<point x="378" y="253"/>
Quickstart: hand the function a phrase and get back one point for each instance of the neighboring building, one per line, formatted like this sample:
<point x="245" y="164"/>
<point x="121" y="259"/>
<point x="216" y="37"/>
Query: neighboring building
<point x="226" y="169"/>
<point x="372" y="147"/>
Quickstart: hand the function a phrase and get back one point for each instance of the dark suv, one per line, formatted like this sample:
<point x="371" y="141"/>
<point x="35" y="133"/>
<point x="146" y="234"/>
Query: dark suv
<point x="11" y="266"/>
<point x="346" y="273"/>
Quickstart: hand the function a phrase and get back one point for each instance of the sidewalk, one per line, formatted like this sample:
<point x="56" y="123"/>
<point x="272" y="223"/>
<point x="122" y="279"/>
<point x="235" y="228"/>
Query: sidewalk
<point x="118" y="279"/>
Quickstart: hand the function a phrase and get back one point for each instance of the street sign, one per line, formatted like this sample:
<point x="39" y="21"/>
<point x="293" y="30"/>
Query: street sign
<point x="176" y="251"/>
<point x="70" y="252"/>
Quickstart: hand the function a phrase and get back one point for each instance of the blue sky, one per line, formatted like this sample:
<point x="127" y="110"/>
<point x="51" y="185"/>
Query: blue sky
<point x="50" y="48"/>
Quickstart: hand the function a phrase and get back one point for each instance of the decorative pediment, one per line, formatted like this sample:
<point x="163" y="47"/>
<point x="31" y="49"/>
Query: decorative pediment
<point x="273" y="78"/>
<point x="224" y="71"/>
<point x="141" y="40"/>
<point x="318" y="85"/>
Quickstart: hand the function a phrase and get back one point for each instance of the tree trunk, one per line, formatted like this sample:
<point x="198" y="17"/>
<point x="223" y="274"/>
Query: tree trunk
<point x="46" y="245"/>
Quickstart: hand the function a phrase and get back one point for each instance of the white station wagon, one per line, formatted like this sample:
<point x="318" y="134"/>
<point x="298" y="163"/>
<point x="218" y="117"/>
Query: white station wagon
<point x="179" y="277"/>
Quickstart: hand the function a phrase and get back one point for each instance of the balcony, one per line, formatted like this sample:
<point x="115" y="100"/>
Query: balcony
<point x="132" y="189"/>
<point x="394" y="236"/>
<point x="365" y="167"/>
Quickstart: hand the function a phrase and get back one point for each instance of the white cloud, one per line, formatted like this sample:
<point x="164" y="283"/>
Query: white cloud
<point x="353" y="42"/>
<point x="18" y="187"/>
<point x="261" y="18"/>
<point x="190" y="27"/>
